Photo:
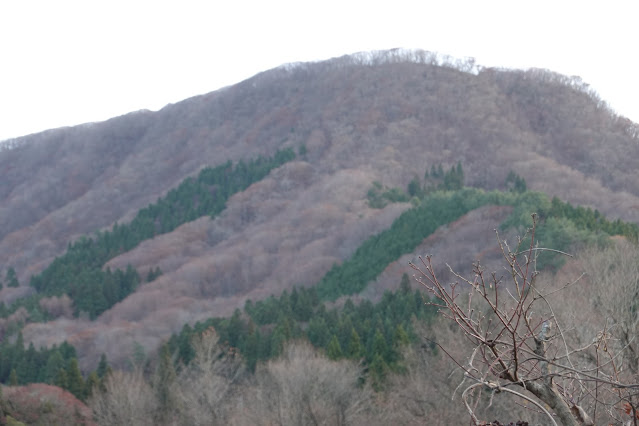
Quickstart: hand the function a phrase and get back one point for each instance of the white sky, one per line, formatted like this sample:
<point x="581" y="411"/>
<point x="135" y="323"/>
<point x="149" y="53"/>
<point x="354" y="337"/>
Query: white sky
<point x="68" y="62"/>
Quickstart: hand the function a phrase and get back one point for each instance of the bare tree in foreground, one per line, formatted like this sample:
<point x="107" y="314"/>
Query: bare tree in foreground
<point x="422" y="393"/>
<point x="522" y="348"/>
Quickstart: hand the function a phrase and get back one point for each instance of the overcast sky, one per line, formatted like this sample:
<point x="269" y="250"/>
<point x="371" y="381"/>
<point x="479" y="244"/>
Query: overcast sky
<point x="65" y="62"/>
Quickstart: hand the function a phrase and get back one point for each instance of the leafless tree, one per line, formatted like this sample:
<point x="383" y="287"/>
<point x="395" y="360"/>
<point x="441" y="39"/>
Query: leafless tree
<point x="423" y="391"/>
<point x="521" y="347"/>
<point x="608" y="299"/>
<point x="204" y="389"/>
<point x="304" y="387"/>
<point x="57" y="306"/>
<point x="125" y="399"/>
<point x="614" y="287"/>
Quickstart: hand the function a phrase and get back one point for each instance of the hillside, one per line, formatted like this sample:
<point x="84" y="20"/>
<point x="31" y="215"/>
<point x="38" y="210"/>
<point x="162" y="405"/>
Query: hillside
<point x="386" y="120"/>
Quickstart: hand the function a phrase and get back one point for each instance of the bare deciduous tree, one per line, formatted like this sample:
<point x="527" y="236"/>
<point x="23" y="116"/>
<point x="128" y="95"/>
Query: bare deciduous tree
<point x="205" y="388"/>
<point x="424" y="391"/>
<point x="521" y="347"/>
<point x="614" y="286"/>
<point x="304" y="387"/>
<point x="57" y="306"/>
<point x="126" y="399"/>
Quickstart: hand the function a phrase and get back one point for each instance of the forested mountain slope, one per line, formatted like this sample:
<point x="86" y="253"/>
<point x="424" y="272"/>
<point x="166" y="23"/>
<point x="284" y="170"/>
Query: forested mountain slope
<point x="352" y="122"/>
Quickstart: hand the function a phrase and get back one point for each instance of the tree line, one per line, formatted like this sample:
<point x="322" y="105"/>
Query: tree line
<point x="373" y="333"/>
<point x="379" y="196"/>
<point x="57" y="365"/>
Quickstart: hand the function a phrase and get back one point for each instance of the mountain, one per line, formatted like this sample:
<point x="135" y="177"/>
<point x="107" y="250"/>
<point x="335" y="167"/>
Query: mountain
<point x="386" y="117"/>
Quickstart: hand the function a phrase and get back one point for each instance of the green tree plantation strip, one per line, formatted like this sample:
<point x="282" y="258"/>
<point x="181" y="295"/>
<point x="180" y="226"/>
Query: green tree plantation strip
<point x="562" y="226"/>
<point x="79" y="273"/>
<point x="404" y="235"/>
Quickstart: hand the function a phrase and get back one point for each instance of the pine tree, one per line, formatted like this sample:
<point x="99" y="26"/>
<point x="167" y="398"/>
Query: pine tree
<point x="251" y="346"/>
<point x="355" y="349"/>
<point x="380" y="347"/>
<point x="153" y="274"/>
<point x="13" y="378"/>
<point x="344" y="329"/>
<point x="520" y="185"/>
<point x="184" y="347"/>
<point x="139" y="355"/>
<point x="302" y="151"/>
<point x="3" y="408"/>
<point x="11" y="279"/>
<point x="454" y="178"/>
<point x="378" y="370"/>
<point x="67" y="351"/>
<point x="515" y="183"/>
<point x="334" y="350"/>
<point x="432" y="173"/>
<point x="55" y="362"/>
<point x="318" y="332"/>
<point x="102" y="366"/>
<point x="277" y="339"/>
<point x="414" y="188"/>
<point x="61" y="379"/>
<point x="400" y="338"/>
<point x="404" y="285"/>
<point x="75" y="382"/>
<point x="93" y="381"/>
<point x="18" y="350"/>
<point x="29" y="366"/>
<point x="235" y="329"/>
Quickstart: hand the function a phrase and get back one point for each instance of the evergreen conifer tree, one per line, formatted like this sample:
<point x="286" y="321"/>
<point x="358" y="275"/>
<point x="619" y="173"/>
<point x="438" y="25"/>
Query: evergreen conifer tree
<point x="102" y="366"/>
<point x="3" y="407"/>
<point x="404" y="284"/>
<point x="414" y="188"/>
<point x="251" y="346"/>
<point x="235" y="329"/>
<point x="185" y="349"/>
<point x="13" y="378"/>
<point x="334" y="350"/>
<point x="380" y="347"/>
<point x="11" y="279"/>
<point x="400" y="338"/>
<point x="355" y="349"/>
<point x="61" y="379"/>
<point x="55" y="362"/>
<point x="318" y="332"/>
<point x="93" y="381"/>
<point x="378" y="370"/>
<point x="75" y="382"/>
